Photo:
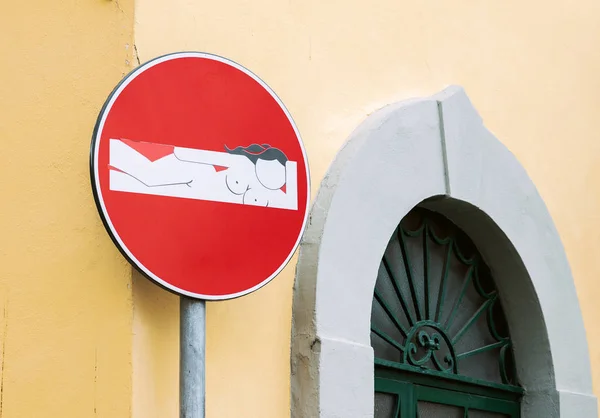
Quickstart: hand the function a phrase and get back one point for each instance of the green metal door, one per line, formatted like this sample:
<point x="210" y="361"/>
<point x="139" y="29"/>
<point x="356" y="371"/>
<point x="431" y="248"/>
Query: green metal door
<point x="398" y="399"/>
<point x="441" y="341"/>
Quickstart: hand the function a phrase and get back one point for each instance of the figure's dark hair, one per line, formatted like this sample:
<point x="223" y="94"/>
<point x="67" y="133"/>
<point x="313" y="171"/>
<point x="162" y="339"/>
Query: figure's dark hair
<point x="256" y="151"/>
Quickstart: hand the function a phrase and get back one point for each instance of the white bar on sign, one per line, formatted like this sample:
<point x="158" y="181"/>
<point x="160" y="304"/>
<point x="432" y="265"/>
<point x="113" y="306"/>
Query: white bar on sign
<point x="162" y="170"/>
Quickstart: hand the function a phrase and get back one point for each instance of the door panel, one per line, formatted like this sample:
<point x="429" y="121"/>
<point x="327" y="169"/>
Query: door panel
<point x="399" y="399"/>
<point x="386" y="405"/>
<point x="476" y="413"/>
<point x="436" y="410"/>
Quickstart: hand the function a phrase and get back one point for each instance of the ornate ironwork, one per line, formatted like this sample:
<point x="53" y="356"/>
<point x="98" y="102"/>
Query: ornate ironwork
<point x="425" y="342"/>
<point x="427" y="325"/>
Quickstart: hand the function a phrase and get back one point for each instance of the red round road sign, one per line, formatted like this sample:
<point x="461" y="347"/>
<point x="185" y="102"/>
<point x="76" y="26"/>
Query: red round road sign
<point x="200" y="176"/>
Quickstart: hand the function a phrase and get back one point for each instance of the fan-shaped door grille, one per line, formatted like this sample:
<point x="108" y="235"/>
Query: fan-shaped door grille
<point x="435" y="306"/>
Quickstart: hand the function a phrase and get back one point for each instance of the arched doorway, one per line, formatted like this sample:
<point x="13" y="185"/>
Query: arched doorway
<point x="435" y="153"/>
<point x="438" y="330"/>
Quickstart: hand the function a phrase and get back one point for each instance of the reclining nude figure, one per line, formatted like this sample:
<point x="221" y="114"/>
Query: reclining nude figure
<point x="258" y="175"/>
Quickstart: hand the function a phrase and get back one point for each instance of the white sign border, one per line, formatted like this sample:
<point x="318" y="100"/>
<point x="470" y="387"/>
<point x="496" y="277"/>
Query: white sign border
<point x="98" y="191"/>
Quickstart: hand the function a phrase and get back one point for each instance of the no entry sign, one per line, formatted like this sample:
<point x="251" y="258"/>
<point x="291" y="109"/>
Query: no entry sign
<point x="200" y="176"/>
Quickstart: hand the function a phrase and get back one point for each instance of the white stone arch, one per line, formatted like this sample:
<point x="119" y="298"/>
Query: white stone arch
<point x="408" y="154"/>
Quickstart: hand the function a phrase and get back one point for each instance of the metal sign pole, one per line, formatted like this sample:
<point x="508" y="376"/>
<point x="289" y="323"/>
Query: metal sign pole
<point x="192" y="357"/>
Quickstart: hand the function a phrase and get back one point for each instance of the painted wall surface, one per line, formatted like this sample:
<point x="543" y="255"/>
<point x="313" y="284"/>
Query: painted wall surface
<point x="81" y="338"/>
<point x="531" y="69"/>
<point x="65" y="292"/>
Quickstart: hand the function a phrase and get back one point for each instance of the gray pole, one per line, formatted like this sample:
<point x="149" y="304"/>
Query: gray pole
<point x="192" y="356"/>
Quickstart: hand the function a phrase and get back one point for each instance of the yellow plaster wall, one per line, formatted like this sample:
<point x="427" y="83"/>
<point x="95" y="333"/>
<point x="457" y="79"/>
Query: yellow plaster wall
<point x="155" y="350"/>
<point x="531" y="68"/>
<point x="76" y="341"/>
<point x="65" y="292"/>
